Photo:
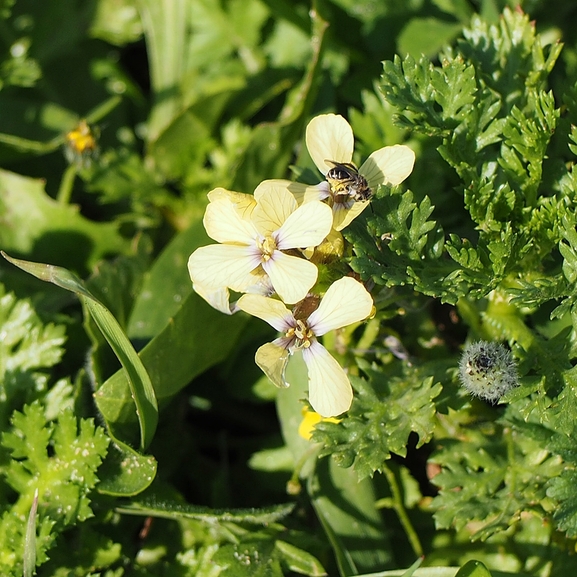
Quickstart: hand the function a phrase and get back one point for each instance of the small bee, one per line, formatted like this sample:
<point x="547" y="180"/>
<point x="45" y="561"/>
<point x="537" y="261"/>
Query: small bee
<point x="345" y="180"/>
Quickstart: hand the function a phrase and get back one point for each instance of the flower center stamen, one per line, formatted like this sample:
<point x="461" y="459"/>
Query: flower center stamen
<point x="302" y="335"/>
<point x="267" y="246"/>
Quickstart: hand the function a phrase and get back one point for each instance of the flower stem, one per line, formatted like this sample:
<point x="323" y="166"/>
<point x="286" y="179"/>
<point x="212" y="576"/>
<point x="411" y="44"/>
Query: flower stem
<point x="66" y="184"/>
<point x="397" y="504"/>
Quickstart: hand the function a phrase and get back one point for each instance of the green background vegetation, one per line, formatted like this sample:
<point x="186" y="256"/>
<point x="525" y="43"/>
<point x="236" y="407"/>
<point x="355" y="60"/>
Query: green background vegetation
<point x="480" y="243"/>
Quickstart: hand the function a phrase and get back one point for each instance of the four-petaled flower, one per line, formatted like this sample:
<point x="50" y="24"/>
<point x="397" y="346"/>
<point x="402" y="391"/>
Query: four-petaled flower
<point x="330" y="142"/>
<point x="263" y="239"/>
<point x="345" y="302"/>
<point x="254" y="236"/>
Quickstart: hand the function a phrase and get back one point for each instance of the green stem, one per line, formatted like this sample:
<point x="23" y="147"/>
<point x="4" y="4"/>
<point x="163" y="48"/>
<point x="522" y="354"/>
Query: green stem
<point x="399" y="507"/>
<point x="66" y="184"/>
<point x="294" y="484"/>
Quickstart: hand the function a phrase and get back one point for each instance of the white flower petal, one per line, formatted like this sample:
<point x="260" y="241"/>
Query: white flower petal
<point x="223" y="222"/>
<point x="330" y="391"/>
<point x="344" y="216"/>
<point x="292" y="277"/>
<point x="222" y="265"/>
<point x="346" y="301"/>
<point x="273" y="359"/>
<point x="307" y="226"/>
<point x="388" y="165"/>
<point x="218" y="299"/>
<point x="329" y="137"/>
<point x="273" y="208"/>
<point x="258" y="283"/>
<point x="270" y="310"/>
<point x="243" y="203"/>
<point x="271" y="184"/>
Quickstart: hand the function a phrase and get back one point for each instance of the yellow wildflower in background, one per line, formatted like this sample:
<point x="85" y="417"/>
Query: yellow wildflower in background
<point x="310" y="421"/>
<point x="81" y="145"/>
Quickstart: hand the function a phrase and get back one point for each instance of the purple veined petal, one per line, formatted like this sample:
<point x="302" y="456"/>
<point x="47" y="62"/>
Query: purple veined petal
<point x="272" y="311"/>
<point x="307" y="226"/>
<point x="291" y="276"/>
<point x="329" y="137"/>
<point x="330" y="391"/>
<point x="272" y="360"/>
<point x="346" y="301"/>
<point x="222" y="265"/>
<point x="218" y="298"/>
<point x="224" y="223"/>
<point x="243" y="203"/>
<point x="274" y="206"/>
<point x="303" y="193"/>
<point x="388" y="165"/>
<point x="344" y="216"/>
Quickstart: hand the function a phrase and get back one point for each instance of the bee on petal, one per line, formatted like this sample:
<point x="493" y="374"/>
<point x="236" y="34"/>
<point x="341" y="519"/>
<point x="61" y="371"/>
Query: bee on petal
<point x="346" y="183"/>
<point x="330" y="142"/>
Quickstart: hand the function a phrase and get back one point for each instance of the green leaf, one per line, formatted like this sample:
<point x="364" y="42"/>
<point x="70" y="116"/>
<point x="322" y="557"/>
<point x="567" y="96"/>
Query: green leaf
<point x="125" y="472"/>
<point x="196" y="338"/>
<point x="117" y="22"/>
<point x="30" y="539"/>
<point x="478" y="476"/>
<point x="298" y="560"/>
<point x="344" y="504"/>
<point x="33" y="224"/>
<point x="426" y="36"/>
<point x="386" y="410"/>
<point x="154" y="507"/>
<point x="27" y="347"/>
<point x="137" y="378"/>
<point x="166" y="285"/>
<point x="473" y="569"/>
<point x="346" y="509"/>
<point x="59" y="460"/>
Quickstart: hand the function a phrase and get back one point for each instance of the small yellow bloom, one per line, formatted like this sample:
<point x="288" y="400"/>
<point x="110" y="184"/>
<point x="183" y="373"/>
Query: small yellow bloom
<point x="310" y="421"/>
<point x="254" y="236"/>
<point x="345" y="302"/>
<point x="81" y="145"/>
<point x="330" y="143"/>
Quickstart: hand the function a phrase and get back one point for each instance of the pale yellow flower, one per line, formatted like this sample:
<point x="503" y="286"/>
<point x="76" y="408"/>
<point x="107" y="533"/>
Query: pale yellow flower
<point x="330" y="143"/>
<point x="254" y="236"/>
<point x="219" y="298"/>
<point x="345" y="302"/>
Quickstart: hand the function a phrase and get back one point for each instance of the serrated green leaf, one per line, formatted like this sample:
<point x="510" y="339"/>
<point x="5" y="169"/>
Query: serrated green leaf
<point x="139" y="382"/>
<point x="385" y="412"/>
<point x="59" y="460"/>
<point x="477" y="476"/>
<point x="27" y="347"/>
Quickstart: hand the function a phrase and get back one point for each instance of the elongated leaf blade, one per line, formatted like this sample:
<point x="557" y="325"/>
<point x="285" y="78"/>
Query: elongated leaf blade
<point x="137" y="377"/>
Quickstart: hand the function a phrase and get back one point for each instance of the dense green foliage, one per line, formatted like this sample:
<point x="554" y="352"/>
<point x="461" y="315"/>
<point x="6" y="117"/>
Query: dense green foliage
<point x="135" y="412"/>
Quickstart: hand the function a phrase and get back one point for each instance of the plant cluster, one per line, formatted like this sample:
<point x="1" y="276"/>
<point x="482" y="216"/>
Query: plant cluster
<point x="418" y="279"/>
